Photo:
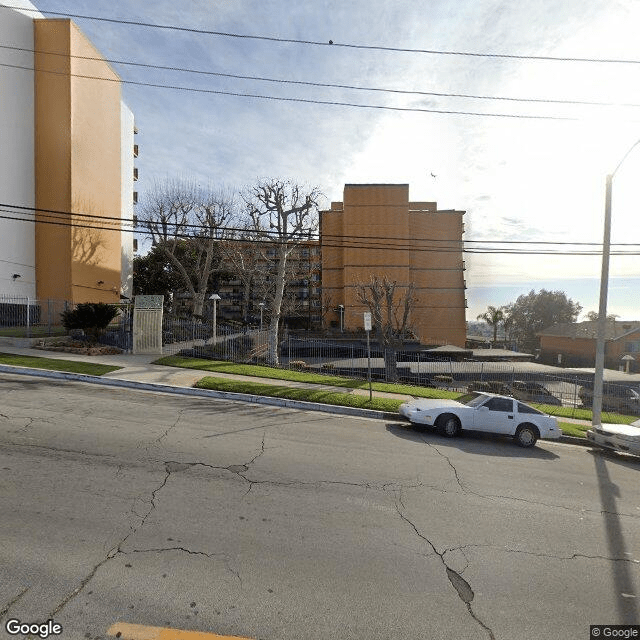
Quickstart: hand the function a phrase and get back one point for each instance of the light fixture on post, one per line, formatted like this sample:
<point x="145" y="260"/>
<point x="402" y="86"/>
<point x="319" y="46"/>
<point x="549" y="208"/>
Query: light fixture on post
<point x="261" y="305"/>
<point x="598" y="374"/>
<point x="215" y="297"/>
<point x="627" y="360"/>
<point x="341" y="310"/>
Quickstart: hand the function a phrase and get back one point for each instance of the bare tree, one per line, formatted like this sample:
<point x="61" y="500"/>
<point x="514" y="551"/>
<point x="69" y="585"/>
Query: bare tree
<point x="243" y="256"/>
<point x="283" y="214"/>
<point x="390" y="316"/>
<point x="176" y="212"/>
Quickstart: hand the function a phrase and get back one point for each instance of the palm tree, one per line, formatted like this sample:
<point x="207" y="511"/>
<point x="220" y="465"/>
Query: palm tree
<point x="493" y="316"/>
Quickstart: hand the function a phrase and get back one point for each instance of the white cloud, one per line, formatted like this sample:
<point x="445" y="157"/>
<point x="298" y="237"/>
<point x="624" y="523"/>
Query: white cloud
<point x="516" y="179"/>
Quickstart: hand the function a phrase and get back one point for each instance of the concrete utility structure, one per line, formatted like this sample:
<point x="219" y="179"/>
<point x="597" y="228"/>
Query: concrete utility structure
<point x="66" y="167"/>
<point x="376" y="231"/>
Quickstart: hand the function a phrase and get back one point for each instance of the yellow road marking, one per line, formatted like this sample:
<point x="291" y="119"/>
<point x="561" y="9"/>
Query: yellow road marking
<point x="126" y="631"/>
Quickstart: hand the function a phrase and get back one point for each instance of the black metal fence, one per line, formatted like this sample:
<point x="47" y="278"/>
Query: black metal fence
<point x="530" y="382"/>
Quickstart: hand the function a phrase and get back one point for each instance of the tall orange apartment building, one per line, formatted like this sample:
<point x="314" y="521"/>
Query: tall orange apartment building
<point x="376" y="230"/>
<point x="67" y="164"/>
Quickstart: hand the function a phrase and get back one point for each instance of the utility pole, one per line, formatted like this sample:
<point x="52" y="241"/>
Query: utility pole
<point x="604" y="288"/>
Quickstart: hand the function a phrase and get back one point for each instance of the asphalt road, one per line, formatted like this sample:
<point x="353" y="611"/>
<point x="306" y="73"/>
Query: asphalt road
<point x="121" y="506"/>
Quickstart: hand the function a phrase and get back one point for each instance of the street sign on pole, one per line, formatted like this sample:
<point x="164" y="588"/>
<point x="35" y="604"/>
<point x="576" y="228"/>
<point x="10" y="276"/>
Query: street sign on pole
<point x="367" y="328"/>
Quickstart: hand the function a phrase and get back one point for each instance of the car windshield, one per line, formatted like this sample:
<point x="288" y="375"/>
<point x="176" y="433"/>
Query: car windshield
<point x="472" y="399"/>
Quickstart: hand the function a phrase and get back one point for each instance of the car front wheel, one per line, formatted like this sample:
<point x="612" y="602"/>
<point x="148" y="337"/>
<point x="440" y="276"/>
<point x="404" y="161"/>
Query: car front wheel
<point x="449" y="426"/>
<point x="526" y="435"/>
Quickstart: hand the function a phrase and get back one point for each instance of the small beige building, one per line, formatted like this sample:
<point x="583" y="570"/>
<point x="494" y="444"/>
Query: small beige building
<point x="376" y="230"/>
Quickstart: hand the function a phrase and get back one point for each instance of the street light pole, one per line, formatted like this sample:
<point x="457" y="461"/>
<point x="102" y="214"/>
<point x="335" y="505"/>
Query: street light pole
<point x="341" y="309"/>
<point x="596" y="418"/>
<point x="261" y="305"/>
<point x="598" y="374"/>
<point x="215" y="297"/>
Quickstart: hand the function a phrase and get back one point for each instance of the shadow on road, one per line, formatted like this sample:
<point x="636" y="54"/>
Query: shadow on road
<point x="619" y="458"/>
<point x="471" y="442"/>
<point x="625" y="593"/>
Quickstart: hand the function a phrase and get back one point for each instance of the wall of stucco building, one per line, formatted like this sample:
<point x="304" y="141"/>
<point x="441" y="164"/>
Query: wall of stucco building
<point x="78" y="167"/>
<point x="376" y="230"/>
<point x="17" y="167"/>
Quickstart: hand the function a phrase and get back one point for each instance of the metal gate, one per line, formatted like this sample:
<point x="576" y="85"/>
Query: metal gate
<point x="147" y="325"/>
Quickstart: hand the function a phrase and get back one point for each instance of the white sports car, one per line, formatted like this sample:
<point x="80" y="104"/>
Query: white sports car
<point x="483" y="412"/>
<point x="619" y="437"/>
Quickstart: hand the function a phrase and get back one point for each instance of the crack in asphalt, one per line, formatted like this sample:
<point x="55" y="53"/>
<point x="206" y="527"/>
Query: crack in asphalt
<point x="573" y="556"/>
<point x="617" y="514"/>
<point x="261" y="452"/>
<point x="223" y="556"/>
<point x="163" y="549"/>
<point x="30" y="422"/>
<point x="55" y="449"/>
<point x="491" y="496"/>
<point x="166" y="433"/>
<point x="241" y="470"/>
<point x="462" y="587"/>
<point x="453" y="468"/>
<point x="12" y="602"/>
<point x="116" y="549"/>
<point x="170" y="467"/>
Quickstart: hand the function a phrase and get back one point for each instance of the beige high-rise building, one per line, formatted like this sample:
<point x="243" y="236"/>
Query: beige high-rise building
<point x="377" y="231"/>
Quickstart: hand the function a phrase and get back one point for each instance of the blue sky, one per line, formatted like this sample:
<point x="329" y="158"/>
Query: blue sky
<point x="518" y="179"/>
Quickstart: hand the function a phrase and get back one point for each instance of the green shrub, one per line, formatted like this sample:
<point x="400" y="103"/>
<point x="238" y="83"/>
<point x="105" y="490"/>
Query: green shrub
<point x="92" y="317"/>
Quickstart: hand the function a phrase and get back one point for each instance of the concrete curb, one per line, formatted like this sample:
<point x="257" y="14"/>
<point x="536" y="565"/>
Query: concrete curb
<point x="203" y="393"/>
<point x="228" y="395"/>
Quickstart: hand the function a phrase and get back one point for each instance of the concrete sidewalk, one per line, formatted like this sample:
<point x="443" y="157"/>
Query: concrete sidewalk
<point x="138" y="371"/>
<point x="140" y="368"/>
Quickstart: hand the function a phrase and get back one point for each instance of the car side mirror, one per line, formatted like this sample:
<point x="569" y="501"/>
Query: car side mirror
<point x="483" y="408"/>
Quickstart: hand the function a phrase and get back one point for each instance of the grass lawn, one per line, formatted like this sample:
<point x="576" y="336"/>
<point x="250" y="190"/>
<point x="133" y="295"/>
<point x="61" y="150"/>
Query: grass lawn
<point x="583" y="414"/>
<point x="34" y="332"/>
<point x="291" y="393"/>
<point x="261" y="371"/>
<point x="573" y="429"/>
<point x="52" y="364"/>
<point x="333" y="398"/>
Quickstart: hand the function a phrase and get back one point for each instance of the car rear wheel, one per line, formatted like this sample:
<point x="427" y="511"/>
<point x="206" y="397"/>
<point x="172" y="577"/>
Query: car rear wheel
<point x="526" y="435"/>
<point x="449" y="426"/>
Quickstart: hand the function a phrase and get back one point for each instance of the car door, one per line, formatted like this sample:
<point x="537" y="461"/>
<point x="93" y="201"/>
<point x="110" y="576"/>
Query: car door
<point x="495" y="415"/>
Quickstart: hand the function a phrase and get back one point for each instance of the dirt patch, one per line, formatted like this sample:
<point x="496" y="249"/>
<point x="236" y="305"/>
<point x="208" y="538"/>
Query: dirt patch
<point x="81" y="348"/>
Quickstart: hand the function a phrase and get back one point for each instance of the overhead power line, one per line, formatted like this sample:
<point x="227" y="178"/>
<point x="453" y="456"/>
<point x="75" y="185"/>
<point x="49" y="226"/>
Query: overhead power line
<point x="383" y="241"/>
<point x="330" y="43"/>
<point x="324" y="85"/>
<point x="333" y="103"/>
<point x="347" y="244"/>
